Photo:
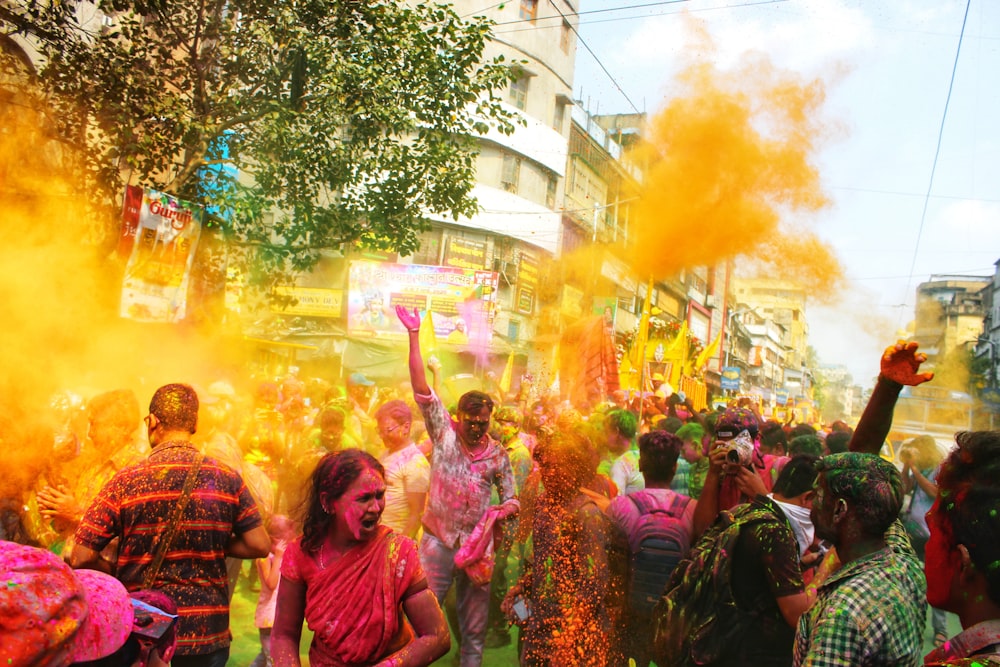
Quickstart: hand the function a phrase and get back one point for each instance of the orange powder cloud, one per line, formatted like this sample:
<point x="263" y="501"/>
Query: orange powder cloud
<point x="729" y="173"/>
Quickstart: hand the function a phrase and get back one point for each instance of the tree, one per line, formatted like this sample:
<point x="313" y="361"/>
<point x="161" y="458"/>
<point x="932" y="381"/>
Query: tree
<point x="347" y="120"/>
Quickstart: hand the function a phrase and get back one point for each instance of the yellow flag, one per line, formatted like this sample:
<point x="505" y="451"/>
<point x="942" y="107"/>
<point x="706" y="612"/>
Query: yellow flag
<point x="679" y="343"/>
<point x="508" y="371"/>
<point x="708" y="352"/>
<point x="679" y="351"/>
<point x="428" y="341"/>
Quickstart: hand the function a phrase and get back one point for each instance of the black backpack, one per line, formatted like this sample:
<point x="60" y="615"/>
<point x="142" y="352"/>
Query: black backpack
<point x="658" y="544"/>
<point x="697" y="620"/>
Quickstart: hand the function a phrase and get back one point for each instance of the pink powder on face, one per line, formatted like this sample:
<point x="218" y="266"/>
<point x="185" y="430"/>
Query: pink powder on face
<point x="363" y="501"/>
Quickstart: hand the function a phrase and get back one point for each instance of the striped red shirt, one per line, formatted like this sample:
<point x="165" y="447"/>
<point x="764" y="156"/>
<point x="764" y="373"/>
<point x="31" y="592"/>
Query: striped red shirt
<point x="136" y="506"/>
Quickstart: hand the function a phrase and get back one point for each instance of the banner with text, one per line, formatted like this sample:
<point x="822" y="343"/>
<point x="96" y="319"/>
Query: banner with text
<point x="157" y="273"/>
<point x="462" y="300"/>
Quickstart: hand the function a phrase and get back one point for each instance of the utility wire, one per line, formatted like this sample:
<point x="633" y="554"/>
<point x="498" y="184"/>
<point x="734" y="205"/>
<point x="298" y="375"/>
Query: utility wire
<point x="598" y="60"/>
<point x="937" y="152"/>
<point x="633" y="17"/>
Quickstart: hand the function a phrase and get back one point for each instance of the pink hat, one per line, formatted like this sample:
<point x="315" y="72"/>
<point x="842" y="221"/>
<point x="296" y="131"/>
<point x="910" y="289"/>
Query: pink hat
<point x="52" y="615"/>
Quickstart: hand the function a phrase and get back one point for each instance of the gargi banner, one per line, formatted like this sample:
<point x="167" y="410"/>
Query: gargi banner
<point x="159" y="266"/>
<point x="462" y="300"/>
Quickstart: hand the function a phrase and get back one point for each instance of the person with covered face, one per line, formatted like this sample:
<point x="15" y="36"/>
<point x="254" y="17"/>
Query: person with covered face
<point x="963" y="550"/>
<point x="570" y="600"/>
<point x="466" y="464"/>
<point x="353" y="580"/>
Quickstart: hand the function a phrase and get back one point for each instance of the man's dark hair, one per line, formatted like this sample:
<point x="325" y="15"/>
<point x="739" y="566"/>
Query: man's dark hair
<point x="474" y="401"/>
<point x="797" y="476"/>
<point x="837" y="441"/>
<point x="806" y="444"/>
<point x="658" y="452"/>
<point x="801" y="429"/>
<point x="670" y="424"/>
<point x="176" y="407"/>
<point x="969" y="500"/>
<point x="624" y="422"/>
<point x="872" y="487"/>
<point x="772" y="436"/>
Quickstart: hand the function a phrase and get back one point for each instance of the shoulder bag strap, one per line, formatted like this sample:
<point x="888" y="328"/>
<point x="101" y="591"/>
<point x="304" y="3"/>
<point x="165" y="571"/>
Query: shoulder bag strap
<point x="175" y="521"/>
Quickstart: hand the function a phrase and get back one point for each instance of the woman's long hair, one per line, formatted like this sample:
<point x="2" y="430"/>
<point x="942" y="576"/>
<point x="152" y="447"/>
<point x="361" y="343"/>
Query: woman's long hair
<point x="333" y="475"/>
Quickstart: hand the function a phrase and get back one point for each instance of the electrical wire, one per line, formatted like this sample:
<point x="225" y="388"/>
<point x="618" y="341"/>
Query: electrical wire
<point x="614" y="81"/>
<point x="937" y="152"/>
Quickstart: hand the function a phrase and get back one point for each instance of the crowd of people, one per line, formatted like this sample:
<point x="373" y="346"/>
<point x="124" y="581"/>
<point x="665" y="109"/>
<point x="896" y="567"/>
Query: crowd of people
<point x="395" y="526"/>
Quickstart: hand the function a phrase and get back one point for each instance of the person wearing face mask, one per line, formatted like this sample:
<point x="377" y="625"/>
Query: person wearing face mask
<point x="466" y="465"/>
<point x="767" y="565"/>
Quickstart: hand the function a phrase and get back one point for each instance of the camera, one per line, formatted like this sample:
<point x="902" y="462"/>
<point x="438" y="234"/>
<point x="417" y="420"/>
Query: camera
<point x="740" y="450"/>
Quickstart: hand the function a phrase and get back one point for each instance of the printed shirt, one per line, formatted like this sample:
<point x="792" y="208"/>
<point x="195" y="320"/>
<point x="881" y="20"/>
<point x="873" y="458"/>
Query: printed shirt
<point x="460" y="485"/>
<point x="406" y="471"/>
<point x="625" y="473"/>
<point x="137" y="505"/>
<point x="870" y="612"/>
<point x="978" y="646"/>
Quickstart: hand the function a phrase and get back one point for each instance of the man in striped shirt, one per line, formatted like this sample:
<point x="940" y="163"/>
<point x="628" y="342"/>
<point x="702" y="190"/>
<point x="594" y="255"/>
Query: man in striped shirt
<point x="220" y="520"/>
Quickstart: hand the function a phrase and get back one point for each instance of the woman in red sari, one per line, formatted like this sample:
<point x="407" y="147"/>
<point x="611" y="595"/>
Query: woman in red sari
<point x="352" y="579"/>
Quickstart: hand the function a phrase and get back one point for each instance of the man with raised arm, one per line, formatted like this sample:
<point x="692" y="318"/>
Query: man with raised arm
<point x="871" y="610"/>
<point x="465" y="464"/>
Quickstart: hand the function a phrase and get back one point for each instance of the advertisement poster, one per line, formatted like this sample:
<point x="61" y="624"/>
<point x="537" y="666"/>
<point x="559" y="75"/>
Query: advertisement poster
<point x="730" y="378"/>
<point x="462" y="300"/>
<point x="527" y="285"/>
<point x="156" y="277"/>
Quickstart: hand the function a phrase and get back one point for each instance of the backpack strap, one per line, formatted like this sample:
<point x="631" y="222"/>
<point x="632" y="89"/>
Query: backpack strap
<point x="175" y="521"/>
<point x="644" y="503"/>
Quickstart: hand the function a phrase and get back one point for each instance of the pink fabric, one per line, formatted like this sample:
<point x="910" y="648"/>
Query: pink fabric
<point x="476" y="554"/>
<point x="353" y="605"/>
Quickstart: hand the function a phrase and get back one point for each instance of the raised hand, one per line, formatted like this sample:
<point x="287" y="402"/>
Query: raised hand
<point x="410" y="320"/>
<point x="901" y="363"/>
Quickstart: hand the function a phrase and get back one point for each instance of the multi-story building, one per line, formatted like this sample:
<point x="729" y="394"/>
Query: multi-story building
<point x="987" y="344"/>
<point x="949" y="315"/>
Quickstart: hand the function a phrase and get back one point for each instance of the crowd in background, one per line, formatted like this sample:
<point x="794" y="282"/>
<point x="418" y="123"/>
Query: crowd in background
<point x="574" y="485"/>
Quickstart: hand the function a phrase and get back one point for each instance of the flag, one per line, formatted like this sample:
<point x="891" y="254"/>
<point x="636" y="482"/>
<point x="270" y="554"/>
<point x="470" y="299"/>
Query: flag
<point x="679" y="351"/>
<point x="679" y="343"/>
<point x="426" y="337"/>
<point x="508" y="371"/>
<point x="708" y="352"/>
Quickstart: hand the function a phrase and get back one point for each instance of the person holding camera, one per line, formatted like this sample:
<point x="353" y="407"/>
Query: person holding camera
<point x="736" y="465"/>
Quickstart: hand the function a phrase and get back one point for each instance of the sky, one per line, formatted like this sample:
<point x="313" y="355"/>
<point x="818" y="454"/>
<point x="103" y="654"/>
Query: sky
<point x="903" y="205"/>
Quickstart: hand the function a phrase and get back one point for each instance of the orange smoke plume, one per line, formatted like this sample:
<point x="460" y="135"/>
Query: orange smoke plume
<point x="729" y="173"/>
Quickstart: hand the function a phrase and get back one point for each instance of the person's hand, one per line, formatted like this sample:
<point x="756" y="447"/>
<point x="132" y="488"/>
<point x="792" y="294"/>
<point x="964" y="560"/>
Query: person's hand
<point x="409" y="320"/>
<point x="434" y="364"/>
<point x="900" y="363"/>
<point x="750" y="483"/>
<point x="279" y="547"/>
<point x="58" y="503"/>
<point x="717" y="456"/>
<point x="906" y="456"/>
<point x="513" y="593"/>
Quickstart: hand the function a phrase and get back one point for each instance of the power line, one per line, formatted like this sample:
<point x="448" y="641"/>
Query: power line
<point x="592" y="11"/>
<point x="598" y="60"/>
<point x="632" y="18"/>
<point x="937" y="150"/>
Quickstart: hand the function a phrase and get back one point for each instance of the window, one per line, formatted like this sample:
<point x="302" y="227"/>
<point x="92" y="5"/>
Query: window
<point x="510" y="172"/>
<point x="564" y="36"/>
<point x="513" y="331"/>
<point x="559" y="117"/>
<point x="529" y="10"/>
<point x="550" y="193"/>
<point x="519" y="92"/>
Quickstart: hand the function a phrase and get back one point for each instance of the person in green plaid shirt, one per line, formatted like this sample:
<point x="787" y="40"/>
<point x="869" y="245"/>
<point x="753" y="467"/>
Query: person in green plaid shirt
<point x="871" y="610"/>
